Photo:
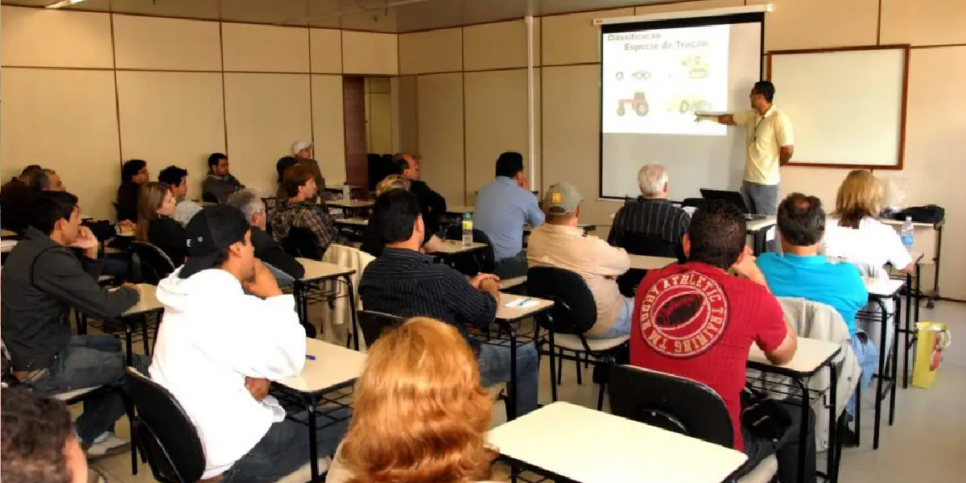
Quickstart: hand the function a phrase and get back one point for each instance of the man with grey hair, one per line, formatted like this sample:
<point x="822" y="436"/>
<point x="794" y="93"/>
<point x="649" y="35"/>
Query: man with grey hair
<point x="651" y="214"/>
<point x="266" y="250"/>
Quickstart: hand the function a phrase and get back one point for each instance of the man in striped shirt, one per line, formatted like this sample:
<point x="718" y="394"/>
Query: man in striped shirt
<point x="406" y="283"/>
<point x="650" y="214"/>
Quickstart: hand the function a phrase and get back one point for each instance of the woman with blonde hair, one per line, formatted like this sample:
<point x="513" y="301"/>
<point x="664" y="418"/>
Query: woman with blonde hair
<point x="372" y="243"/>
<point x="855" y="232"/>
<point x="420" y="415"/>
<point x="156" y="206"/>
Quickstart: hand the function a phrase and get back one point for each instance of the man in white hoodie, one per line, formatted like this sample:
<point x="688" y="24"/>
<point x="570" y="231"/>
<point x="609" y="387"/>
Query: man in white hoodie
<point x="219" y="347"/>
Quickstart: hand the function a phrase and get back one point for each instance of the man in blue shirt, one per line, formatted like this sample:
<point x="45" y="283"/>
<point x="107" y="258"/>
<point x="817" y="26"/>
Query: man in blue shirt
<point x="802" y="272"/>
<point x="503" y="207"/>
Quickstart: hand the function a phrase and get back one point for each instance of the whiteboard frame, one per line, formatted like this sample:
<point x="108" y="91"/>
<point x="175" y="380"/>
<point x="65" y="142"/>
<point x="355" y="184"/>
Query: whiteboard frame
<point x="906" y="49"/>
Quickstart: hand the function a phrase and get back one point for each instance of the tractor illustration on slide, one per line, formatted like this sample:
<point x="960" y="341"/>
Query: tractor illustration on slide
<point x="686" y="104"/>
<point x="638" y="104"/>
<point x="697" y="68"/>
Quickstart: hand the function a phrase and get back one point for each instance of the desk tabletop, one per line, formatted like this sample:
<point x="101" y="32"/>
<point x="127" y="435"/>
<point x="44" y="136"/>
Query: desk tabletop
<point x="883" y="287"/>
<point x="810" y="356"/>
<point x="758" y="225"/>
<point x="7" y="233"/>
<point x="350" y="203"/>
<point x="595" y="447"/>
<point x="460" y="209"/>
<point x="147" y="303"/>
<point x="333" y="367"/>
<point x="643" y="262"/>
<point x="351" y="221"/>
<point x="916" y="224"/>
<point x="453" y="247"/>
<point x="7" y="246"/>
<point x="509" y="314"/>
<point x="316" y="270"/>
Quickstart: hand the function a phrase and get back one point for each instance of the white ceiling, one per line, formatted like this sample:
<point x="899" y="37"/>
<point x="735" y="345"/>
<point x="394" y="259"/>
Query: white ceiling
<point x="396" y="16"/>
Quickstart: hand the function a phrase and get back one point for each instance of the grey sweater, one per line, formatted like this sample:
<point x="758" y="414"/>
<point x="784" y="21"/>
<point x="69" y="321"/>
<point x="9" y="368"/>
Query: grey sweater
<point x="35" y="323"/>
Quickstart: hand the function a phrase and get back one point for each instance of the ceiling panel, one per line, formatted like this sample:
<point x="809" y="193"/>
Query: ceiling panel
<point x="398" y="16"/>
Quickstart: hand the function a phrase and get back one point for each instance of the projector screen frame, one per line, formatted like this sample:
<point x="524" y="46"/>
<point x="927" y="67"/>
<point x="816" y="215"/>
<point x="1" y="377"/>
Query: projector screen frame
<point x="755" y="15"/>
<point x="907" y="50"/>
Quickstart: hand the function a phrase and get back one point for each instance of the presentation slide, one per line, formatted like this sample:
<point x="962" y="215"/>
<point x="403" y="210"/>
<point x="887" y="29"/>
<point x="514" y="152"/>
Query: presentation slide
<point x="654" y="77"/>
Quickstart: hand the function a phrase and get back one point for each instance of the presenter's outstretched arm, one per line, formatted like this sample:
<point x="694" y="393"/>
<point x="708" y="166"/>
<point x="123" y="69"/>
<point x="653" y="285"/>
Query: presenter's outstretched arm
<point x="726" y="119"/>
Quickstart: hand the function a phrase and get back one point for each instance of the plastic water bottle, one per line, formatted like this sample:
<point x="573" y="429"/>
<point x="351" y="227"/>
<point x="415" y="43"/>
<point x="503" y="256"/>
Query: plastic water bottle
<point x="467" y="229"/>
<point x="346" y="192"/>
<point x="906" y="234"/>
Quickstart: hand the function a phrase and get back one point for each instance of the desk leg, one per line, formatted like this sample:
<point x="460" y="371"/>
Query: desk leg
<point x="129" y="345"/>
<point x="512" y="388"/>
<point x="895" y="362"/>
<point x="352" y="311"/>
<point x="313" y="444"/>
<point x="832" y="472"/>
<point x="881" y="374"/>
<point x="803" y="434"/>
<point x="553" y="366"/>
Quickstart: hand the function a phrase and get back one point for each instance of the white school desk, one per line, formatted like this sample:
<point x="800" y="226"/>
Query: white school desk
<point x="455" y="247"/>
<point x="644" y="262"/>
<point x="7" y="246"/>
<point x="512" y="283"/>
<point x="354" y="222"/>
<point x="317" y="272"/>
<point x="811" y="355"/>
<point x="7" y="234"/>
<point x="881" y="290"/>
<point x="590" y="446"/>
<point x="350" y="204"/>
<point x="148" y="304"/>
<point x="504" y="317"/>
<point x="928" y="239"/>
<point x="760" y="232"/>
<point x="511" y="314"/>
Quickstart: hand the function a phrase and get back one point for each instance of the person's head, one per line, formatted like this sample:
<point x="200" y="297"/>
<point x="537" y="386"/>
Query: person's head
<point x="283" y="164"/>
<point x="562" y="204"/>
<point x="47" y="180"/>
<point x="762" y="95"/>
<point x="801" y="224"/>
<point x="177" y="180"/>
<point x="219" y="237"/>
<point x="38" y="441"/>
<point x="26" y="176"/>
<point x="653" y="181"/>
<point x="56" y="214"/>
<point x="407" y="165"/>
<point x="218" y="164"/>
<point x="299" y="183"/>
<point x="860" y="195"/>
<point x="510" y="165"/>
<point x="716" y="236"/>
<point x="135" y="171"/>
<point x="393" y="182"/>
<point x="252" y="206"/>
<point x="396" y="213"/>
<point x="419" y="413"/>
<point x="154" y="201"/>
<point x="304" y="150"/>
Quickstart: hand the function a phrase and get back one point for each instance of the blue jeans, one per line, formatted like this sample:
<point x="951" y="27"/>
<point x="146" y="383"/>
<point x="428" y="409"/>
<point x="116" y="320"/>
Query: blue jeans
<point x="89" y="361"/>
<point x="622" y="326"/>
<point x="495" y="368"/>
<point x="285" y="449"/>
<point x="868" y="356"/>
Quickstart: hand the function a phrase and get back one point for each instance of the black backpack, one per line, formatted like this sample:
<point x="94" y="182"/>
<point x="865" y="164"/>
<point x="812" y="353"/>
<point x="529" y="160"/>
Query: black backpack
<point x="922" y="214"/>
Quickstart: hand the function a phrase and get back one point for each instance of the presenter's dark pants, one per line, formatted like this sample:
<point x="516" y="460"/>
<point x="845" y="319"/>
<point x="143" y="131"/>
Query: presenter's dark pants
<point x="760" y="199"/>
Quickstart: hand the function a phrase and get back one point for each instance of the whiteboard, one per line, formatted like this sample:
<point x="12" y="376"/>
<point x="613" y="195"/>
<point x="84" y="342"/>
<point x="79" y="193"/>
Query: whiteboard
<point x="846" y="106"/>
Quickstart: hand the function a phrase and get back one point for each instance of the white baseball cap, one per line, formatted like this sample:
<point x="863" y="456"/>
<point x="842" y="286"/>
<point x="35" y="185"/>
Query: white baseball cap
<point x="300" y="146"/>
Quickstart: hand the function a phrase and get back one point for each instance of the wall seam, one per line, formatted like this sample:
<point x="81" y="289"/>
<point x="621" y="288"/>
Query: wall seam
<point x="117" y="95"/>
<point x="224" y="93"/>
<point x="311" y="96"/>
<point x="463" y="98"/>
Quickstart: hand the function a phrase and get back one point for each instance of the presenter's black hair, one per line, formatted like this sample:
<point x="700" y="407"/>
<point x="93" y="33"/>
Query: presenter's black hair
<point x="766" y="89"/>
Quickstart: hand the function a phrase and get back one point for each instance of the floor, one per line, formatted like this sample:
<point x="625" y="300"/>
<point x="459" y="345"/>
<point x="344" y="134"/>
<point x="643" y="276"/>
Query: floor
<point x="925" y="445"/>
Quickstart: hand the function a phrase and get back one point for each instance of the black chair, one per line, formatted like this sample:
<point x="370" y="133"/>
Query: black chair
<point x="153" y="262"/>
<point x="679" y="405"/>
<point x="693" y="203"/>
<point x="300" y="242"/>
<point x="373" y="324"/>
<point x="209" y="198"/>
<point x="482" y="261"/>
<point x="647" y="245"/>
<point x="164" y="433"/>
<point x="573" y="314"/>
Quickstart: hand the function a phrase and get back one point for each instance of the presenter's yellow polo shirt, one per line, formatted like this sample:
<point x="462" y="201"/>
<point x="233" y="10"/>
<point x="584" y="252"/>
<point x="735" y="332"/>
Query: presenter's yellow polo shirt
<point x="764" y="137"/>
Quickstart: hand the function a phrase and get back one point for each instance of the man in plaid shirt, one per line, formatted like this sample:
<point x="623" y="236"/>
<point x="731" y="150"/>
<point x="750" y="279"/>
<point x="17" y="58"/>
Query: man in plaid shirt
<point x="300" y="211"/>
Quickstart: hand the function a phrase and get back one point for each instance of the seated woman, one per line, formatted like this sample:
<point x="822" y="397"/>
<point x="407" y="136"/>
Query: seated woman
<point x="420" y="415"/>
<point x="372" y="243"/>
<point x="156" y="226"/>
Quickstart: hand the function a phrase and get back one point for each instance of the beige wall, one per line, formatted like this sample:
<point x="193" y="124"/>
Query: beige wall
<point x="172" y="91"/>
<point x="492" y="97"/>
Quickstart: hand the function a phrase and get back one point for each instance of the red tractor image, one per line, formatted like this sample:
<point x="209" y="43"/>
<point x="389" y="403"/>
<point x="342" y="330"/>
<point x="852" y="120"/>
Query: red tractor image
<point x="638" y="104"/>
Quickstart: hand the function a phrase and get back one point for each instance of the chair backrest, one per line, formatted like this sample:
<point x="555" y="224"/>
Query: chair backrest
<point x="373" y="324"/>
<point x="574" y="310"/>
<point x="209" y="198"/>
<point x="693" y="202"/>
<point x="155" y="264"/>
<point x="670" y="402"/>
<point x="165" y="434"/>
<point x="300" y="243"/>
<point x="483" y="260"/>
<point x="651" y="246"/>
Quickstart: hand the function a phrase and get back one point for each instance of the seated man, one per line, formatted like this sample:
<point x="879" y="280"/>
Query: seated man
<point x="266" y="249"/>
<point x="177" y="180"/>
<point x="220" y="183"/>
<point x="301" y="211"/>
<point x="503" y="207"/>
<point x="432" y="203"/>
<point x="559" y="243"/>
<point x="44" y="280"/>
<point x="802" y="272"/>
<point x="651" y="213"/>
<point x="407" y="283"/>
<point x="39" y="444"/>
<point x="372" y="241"/>
<point x="218" y="347"/>
<point x="134" y="173"/>
<point x="15" y="199"/>
<point x="697" y="321"/>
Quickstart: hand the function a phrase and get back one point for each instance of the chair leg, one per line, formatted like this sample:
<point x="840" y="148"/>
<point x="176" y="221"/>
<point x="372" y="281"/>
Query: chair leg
<point x="553" y="369"/>
<point x="580" y="371"/>
<point x="600" y="396"/>
<point x="145" y="340"/>
<point x="560" y="367"/>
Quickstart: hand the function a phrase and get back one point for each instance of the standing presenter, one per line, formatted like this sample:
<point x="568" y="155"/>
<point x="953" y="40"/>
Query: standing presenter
<point x="769" y="141"/>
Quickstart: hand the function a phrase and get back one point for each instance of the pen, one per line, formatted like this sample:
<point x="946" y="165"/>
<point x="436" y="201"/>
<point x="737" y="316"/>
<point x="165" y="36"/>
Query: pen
<point x="523" y="302"/>
<point x="310" y="357"/>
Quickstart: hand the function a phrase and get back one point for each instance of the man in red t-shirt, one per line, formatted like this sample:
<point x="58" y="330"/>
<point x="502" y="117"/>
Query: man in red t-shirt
<point x="697" y="321"/>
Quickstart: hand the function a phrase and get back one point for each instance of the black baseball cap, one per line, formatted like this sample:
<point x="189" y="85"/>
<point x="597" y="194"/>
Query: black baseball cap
<point x="213" y="229"/>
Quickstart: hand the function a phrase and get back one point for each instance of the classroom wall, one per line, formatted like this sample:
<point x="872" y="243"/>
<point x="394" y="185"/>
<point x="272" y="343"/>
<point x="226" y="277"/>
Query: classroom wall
<point x="85" y="91"/>
<point x="470" y="95"/>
